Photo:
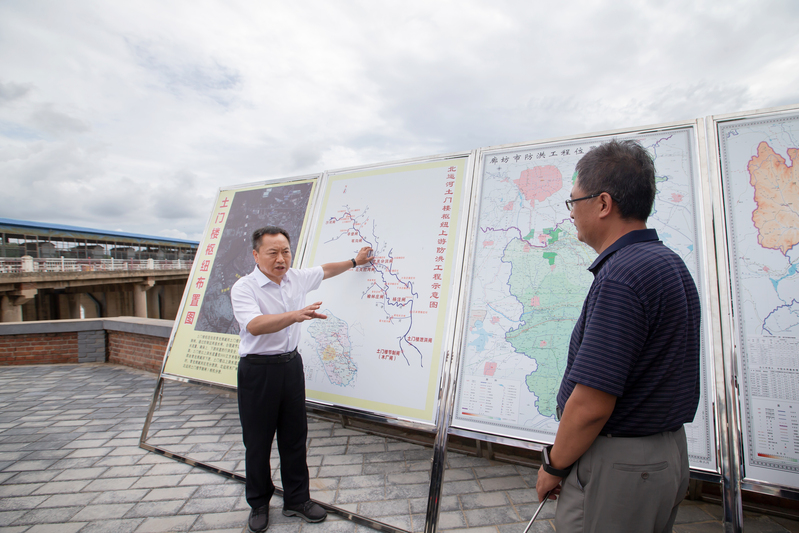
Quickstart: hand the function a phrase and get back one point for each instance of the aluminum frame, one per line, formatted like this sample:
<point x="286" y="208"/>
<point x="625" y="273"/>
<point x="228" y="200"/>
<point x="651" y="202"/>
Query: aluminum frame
<point x="447" y="383"/>
<point x="457" y="275"/>
<point x="439" y="448"/>
<point x="735" y="481"/>
<point x="157" y="394"/>
<point x="706" y="244"/>
<point x="732" y="502"/>
<point x="722" y="373"/>
<point x="300" y="250"/>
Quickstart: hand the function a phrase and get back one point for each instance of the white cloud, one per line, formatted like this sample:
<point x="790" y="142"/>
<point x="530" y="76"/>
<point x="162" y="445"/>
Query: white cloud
<point x="13" y="91"/>
<point x="55" y="122"/>
<point x="173" y="234"/>
<point x="132" y="115"/>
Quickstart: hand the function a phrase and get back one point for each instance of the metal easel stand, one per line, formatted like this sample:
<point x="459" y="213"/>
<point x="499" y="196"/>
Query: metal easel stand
<point x="447" y="393"/>
<point x="727" y="414"/>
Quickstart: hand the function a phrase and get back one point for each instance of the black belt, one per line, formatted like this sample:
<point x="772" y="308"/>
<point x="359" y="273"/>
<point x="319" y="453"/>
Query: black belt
<point x="622" y="436"/>
<point x="559" y="414"/>
<point x="260" y="359"/>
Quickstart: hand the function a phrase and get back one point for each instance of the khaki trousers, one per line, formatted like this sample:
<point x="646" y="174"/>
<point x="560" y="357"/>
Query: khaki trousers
<point x="625" y="485"/>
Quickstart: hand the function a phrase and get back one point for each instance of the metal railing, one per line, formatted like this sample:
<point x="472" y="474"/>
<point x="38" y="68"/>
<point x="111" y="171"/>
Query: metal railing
<point x="11" y="265"/>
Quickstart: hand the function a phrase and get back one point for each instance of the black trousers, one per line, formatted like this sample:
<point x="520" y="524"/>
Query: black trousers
<point x="272" y="398"/>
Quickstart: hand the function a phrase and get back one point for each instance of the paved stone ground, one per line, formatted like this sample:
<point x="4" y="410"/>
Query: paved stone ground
<point x="70" y="462"/>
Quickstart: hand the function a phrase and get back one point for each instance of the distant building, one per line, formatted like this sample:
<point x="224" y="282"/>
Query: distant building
<point x="39" y="240"/>
<point x="53" y="271"/>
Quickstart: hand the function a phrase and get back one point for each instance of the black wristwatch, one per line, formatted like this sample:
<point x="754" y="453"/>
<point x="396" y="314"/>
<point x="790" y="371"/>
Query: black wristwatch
<point x="547" y="466"/>
<point x="354" y="264"/>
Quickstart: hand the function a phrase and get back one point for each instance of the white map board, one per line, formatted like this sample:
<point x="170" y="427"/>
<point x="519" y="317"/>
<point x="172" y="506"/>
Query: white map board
<point x="760" y="186"/>
<point x="529" y="279"/>
<point x="380" y="349"/>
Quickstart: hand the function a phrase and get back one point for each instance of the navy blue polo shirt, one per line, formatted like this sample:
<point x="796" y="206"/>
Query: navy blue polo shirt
<point x="637" y="337"/>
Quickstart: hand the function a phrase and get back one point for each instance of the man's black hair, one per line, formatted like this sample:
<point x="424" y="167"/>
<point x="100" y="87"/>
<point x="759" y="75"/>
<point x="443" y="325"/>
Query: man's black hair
<point x="626" y="171"/>
<point x="267" y="230"/>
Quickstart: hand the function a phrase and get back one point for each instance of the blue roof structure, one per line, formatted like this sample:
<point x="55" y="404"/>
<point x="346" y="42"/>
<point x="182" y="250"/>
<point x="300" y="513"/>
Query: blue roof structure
<point x="61" y="231"/>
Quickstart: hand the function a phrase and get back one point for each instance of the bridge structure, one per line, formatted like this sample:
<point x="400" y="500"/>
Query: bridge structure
<point x="50" y="271"/>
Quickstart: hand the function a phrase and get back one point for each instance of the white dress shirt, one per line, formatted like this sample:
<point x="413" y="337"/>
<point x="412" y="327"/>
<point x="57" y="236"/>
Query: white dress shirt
<point x="255" y="295"/>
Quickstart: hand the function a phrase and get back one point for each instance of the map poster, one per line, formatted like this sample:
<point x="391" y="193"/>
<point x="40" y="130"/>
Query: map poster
<point x="206" y="341"/>
<point x="760" y="184"/>
<point x="529" y="277"/>
<point x="380" y="349"/>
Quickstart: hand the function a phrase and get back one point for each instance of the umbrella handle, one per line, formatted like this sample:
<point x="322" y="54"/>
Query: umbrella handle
<point x="535" y="515"/>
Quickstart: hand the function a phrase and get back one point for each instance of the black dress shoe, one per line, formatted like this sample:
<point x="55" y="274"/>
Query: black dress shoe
<point x="308" y="511"/>
<point x="259" y="519"/>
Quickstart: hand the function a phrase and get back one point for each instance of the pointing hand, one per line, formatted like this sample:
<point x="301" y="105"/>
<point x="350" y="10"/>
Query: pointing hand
<point x="364" y="255"/>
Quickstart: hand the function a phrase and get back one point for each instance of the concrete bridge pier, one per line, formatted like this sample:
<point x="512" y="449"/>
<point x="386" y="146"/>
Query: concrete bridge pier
<point x="10" y="312"/>
<point x="140" y="297"/>
<point x="73" y="301"/>
<point x="11" y="304"/>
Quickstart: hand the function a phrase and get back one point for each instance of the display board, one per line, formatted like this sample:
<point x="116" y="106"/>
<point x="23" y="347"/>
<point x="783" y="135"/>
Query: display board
<point x="760" y="186"/>
<point x="518" y="277"/>
<point x="206" y="340"/>
<point x="529" y="278"/>
<point x="380" y="348"/>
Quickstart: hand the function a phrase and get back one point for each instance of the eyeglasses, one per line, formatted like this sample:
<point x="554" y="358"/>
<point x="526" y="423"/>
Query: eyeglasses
<point x="570" y="203"/>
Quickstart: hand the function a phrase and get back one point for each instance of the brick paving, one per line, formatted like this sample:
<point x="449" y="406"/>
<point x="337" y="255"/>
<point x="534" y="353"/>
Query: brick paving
<point x="70" y="462"/>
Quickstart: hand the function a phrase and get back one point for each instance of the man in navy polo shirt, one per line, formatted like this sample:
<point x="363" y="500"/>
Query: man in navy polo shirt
<point x="620" y="458"/>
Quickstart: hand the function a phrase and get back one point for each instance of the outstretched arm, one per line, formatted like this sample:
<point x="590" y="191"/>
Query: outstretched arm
<point x="274" y="323"/>
<point x="334" y="269"/>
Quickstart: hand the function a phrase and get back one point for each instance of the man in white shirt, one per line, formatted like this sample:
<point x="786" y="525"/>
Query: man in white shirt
<point x="269" y="305"/>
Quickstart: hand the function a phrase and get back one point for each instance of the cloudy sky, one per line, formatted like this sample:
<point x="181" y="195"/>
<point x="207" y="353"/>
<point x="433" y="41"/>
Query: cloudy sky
<point x="129" y="116"/>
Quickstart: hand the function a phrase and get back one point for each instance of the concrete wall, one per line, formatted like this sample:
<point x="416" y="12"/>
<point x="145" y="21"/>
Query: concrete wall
<point x="135" y="342"/>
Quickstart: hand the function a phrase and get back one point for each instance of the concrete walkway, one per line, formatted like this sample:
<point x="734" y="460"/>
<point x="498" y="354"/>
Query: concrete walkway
<point x="70" y="462"/>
